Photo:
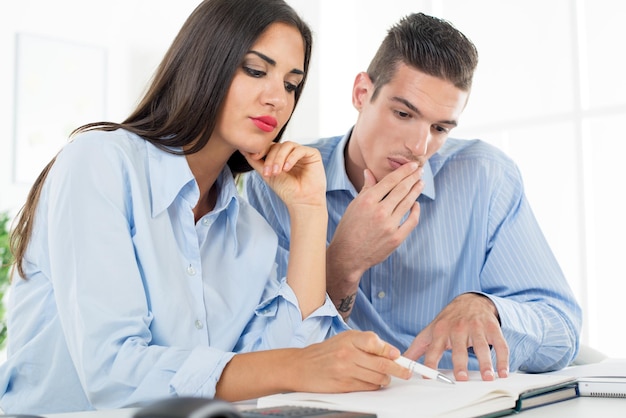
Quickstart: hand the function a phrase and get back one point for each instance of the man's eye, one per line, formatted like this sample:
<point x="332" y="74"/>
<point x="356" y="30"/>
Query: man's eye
<point x="253" y="73"/>
<point x="402" y="114"/>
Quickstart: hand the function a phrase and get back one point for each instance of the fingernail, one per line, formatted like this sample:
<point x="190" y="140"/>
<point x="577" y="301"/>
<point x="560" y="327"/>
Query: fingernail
<point x="266" y="170"/>
<point x="461" y="375"/>
<point x="504" y="373"/>
<point x="414" y="166"/>
<point x="489" y="373"/>
<point x="276" y="168"/>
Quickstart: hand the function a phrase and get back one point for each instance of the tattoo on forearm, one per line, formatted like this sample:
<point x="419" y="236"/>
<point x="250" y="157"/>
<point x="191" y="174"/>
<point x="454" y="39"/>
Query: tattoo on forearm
<point x="346" y="303"/>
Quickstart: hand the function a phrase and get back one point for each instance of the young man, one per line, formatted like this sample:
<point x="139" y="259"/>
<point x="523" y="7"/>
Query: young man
<point x="432" y="243"/>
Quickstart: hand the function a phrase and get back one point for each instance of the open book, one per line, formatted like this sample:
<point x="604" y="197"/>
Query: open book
<point x="430" y="398"/>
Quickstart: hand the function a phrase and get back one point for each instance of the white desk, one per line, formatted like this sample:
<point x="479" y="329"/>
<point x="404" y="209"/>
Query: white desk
<point x="573" y="408"/>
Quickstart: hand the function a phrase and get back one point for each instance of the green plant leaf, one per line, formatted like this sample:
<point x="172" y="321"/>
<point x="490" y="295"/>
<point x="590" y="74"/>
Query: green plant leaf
<point x="6" y="259"/>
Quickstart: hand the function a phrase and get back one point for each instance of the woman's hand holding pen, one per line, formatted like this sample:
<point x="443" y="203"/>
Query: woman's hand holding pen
<point x="349" y="361"/>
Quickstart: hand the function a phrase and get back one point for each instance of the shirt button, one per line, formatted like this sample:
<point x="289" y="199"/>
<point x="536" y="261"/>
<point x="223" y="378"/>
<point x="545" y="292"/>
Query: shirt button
<point x="381" y="294"/>
<point x="206" y="222"/>
<point x="191" y="271"/>
<point x="198" y="324"/>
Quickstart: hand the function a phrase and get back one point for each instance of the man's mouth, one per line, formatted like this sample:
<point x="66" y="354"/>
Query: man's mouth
<point x="397" y="162"/>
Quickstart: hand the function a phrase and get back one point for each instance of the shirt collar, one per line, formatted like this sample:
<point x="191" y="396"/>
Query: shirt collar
<point x="228" y="197"/>
<point x="337" y="178"/>
<point x="170" y="177"/>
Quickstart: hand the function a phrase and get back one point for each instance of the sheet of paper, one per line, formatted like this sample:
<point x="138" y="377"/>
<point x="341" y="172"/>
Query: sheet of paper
<point x="605" y="368"/>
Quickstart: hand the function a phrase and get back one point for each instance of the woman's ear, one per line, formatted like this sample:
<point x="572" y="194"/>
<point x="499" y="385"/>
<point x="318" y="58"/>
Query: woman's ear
<point x="362" y="90"/>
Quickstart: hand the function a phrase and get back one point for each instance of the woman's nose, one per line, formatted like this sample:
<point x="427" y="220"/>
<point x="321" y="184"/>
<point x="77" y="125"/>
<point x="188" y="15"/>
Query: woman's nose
<point x="275" y="94"/>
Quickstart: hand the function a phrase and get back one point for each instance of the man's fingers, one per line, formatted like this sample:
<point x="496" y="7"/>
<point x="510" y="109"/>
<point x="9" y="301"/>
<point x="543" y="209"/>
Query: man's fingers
<point x="483" y="355"/>
<point x="459" y="342"/>
<point x="502" y="357"/>
<point x="435" y="352"/>
<point x="391" y="180"/>
<point x="368" y="179"/>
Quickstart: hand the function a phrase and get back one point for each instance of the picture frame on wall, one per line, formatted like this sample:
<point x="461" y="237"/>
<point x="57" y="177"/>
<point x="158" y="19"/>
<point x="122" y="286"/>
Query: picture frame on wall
<point x="59" y="85"/>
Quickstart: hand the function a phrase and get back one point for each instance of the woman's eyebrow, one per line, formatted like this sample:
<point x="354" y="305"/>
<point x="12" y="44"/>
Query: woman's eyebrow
<point x="273" y="62"/>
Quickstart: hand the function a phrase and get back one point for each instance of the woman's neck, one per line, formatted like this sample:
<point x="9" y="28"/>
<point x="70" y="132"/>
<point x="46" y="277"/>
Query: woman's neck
<point x="206" y="203"/>
<point x="206" y="166"/>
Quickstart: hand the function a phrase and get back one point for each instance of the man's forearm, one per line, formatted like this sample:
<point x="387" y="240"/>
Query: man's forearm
<point x="342" y="286"/>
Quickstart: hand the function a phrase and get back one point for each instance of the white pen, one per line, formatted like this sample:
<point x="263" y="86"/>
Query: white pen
<point x="420" y="369"/>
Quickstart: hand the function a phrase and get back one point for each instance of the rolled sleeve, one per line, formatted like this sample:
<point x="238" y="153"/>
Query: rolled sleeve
<point x="278" y="322"/>
<point x="199" y="374"/>
<point x="539" y="338"/>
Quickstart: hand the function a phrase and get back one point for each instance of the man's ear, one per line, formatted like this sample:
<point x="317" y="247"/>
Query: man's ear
<point x="362" y="90"/>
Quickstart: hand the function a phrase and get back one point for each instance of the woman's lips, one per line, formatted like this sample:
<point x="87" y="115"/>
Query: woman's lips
<point x="265" y="123"/>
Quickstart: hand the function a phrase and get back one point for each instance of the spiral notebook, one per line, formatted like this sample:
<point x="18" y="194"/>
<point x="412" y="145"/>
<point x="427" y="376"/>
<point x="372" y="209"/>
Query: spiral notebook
<point x="605" y="379"/>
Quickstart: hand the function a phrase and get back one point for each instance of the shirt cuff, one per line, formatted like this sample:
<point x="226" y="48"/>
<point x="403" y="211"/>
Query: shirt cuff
<point x="199" y="374"/>
<point x="280" y="310"/>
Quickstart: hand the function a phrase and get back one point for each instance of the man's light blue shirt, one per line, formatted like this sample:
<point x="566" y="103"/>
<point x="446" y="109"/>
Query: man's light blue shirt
<point x="127" y="298"/>
<point x="476" y="233"/>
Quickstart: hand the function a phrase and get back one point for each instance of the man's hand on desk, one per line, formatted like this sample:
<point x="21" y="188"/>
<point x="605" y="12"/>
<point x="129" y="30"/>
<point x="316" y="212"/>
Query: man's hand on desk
<point x="470" y="320"/>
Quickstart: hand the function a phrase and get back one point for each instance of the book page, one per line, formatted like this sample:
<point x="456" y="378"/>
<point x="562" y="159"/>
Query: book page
<point x="426" y="398"/>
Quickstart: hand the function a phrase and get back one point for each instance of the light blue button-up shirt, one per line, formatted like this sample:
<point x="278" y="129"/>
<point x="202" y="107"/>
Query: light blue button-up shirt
<point x="476" y="233"/>
<point x="127" y="298"/>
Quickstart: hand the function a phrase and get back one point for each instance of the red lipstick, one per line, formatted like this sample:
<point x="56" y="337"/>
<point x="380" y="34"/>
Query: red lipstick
<point x="265" y="123"/>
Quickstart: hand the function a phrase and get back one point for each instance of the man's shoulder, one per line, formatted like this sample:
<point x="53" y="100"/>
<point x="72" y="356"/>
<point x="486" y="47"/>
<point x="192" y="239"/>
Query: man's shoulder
<point x="326" y="142"/>
<point x="326" y="146"/>
<point x="473" y="150"/>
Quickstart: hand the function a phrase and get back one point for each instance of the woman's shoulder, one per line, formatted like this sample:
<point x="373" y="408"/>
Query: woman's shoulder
<point x="98" y="144"/>
<point x="97" y="138"/>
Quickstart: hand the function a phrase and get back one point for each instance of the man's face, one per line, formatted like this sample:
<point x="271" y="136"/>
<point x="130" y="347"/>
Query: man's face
<point x="409" y="120"/>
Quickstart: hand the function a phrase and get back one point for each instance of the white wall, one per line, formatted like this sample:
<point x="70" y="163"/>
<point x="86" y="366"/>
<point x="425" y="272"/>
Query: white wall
<point x="549" y="91"/>
<point x="134" y="34"/>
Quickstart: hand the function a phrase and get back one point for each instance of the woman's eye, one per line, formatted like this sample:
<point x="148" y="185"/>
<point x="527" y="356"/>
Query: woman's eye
<point x="253" y="73"/>
<point x="289" y="87"/>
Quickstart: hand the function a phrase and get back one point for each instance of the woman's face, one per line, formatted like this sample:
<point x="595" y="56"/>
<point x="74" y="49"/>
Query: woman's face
<point x="261" y="97"/>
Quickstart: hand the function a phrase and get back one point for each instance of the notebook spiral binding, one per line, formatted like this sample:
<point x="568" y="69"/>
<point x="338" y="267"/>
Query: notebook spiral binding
<point x="607" y="395"/>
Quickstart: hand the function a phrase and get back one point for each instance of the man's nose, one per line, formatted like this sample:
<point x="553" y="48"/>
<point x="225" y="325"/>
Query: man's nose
<point x="418" y="141"/>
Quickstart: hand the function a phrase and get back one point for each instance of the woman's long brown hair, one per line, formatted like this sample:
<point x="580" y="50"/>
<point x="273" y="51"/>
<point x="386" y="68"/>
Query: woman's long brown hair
<point x="181" y="105"/>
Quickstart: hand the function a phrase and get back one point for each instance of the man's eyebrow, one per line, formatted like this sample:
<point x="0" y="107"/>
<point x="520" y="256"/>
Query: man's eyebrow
<point x="416" y="110"/>
<point x="273" y="62"/>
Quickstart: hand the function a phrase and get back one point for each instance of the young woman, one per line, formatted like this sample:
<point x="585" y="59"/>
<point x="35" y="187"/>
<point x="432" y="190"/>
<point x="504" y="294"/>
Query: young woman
<point x="142" y="274"/>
